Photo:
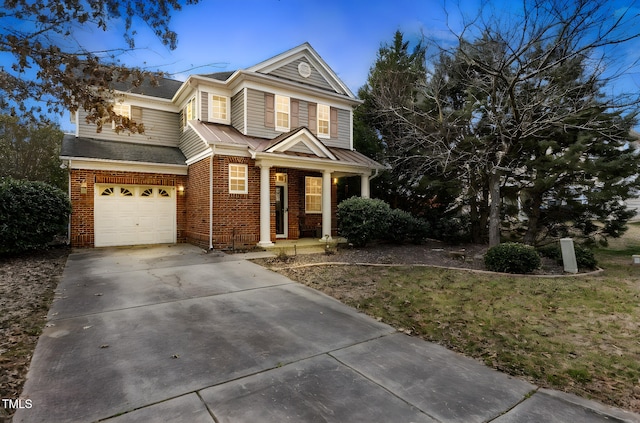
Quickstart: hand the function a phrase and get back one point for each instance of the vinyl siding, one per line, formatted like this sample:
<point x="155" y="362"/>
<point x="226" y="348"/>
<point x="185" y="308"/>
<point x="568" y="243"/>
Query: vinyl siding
<point x="256" y="124"/>
<point x="255" y="116"/>
<point x="290" y="72"/>
<point x="160" y="128"/>
<point x="237" y="111"/>
<point x="191" y="144"/>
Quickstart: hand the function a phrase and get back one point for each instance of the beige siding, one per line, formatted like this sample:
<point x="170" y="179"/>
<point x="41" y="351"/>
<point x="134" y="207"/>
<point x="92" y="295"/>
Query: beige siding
<point x="191" y="144"/>
<point x="290" y="72"/>
<point x="160" y="128"/>
<point x="237" y="111"/>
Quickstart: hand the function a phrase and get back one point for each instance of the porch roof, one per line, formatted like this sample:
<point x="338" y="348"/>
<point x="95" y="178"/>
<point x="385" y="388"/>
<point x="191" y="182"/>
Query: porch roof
<point x="217" y="134"/>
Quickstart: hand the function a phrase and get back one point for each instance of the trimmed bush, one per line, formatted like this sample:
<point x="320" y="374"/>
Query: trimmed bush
<point x="512" y="257"/>
<point x="31" y="215"/>
<point x="363" y="219"/>
<point x="403" y="226"/>
<point x="584" y="256"/>
<point x="453" y="229"/>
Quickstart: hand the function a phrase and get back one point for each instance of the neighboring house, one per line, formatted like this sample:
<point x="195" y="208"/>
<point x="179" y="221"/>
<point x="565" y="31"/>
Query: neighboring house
<point x="227" y="160"/>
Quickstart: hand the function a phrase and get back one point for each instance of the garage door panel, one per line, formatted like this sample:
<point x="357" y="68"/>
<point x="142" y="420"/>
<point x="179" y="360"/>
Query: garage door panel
<point x="130" y="215"/>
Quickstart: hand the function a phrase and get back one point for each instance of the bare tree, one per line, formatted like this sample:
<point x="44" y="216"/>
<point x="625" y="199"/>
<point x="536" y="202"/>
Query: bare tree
<point x="45" y="67"/>
<point x="498" y="86"/>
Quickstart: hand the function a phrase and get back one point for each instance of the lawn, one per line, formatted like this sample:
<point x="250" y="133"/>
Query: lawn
<point x="576" y="334"/>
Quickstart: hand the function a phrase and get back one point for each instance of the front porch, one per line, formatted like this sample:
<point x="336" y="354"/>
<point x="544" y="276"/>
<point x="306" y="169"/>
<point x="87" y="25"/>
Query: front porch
<point x="293" y="247"/>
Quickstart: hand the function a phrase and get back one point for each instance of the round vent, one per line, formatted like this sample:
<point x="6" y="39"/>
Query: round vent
<point x="304" y="69"/>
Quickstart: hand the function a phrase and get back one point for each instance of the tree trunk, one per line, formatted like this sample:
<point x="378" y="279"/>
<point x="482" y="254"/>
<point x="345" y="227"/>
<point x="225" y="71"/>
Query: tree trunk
<point x="494" y="209"/>
<point x="534" y="218"/>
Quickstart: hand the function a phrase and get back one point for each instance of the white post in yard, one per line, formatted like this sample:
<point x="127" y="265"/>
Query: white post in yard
<point x="568" y="255"/>
<point x="265" y="207"/>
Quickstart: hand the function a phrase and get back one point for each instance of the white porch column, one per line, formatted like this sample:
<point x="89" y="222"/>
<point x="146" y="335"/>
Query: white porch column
<point x="326" y="204"/>
<point x="265" y="207"/>
<point x="364" y="186"/>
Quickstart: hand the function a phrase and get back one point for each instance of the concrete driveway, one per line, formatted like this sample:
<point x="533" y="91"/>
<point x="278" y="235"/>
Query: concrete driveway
<point x="171" y="334"/>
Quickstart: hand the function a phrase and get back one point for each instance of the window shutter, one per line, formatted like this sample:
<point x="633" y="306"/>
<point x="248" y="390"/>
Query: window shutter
<point x="295" y="113"/>
<point x="204" y="102"/>
<point x="313" y="119"/>
<point x="269" y="111"/>
<point x="136" y="114"/>
<point x="333" y="131"/>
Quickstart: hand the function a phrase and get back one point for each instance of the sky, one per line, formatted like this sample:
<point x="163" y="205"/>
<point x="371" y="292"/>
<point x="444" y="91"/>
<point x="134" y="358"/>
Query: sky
<point x="228" y="35"/>
<point x="217" y="35"/>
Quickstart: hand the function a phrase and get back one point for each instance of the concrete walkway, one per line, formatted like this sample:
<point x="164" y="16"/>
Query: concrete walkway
<point x="171" y="334"/>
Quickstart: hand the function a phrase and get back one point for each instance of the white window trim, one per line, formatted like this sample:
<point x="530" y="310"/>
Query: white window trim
<point x="328" y="120"/>
<point x="245" y="179"/>
<point x="276" y="110"/>
<point x="185" y="109"/>
<point x="306" y="194"/>
<point x="212" y="118"/>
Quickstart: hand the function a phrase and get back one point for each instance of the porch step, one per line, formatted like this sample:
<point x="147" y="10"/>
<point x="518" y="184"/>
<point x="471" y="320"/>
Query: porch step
<point x="303" y="246"/>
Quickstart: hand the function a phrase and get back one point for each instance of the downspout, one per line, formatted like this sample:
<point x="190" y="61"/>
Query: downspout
<point x="213" y="153"/>
<point x="69" y="192"/>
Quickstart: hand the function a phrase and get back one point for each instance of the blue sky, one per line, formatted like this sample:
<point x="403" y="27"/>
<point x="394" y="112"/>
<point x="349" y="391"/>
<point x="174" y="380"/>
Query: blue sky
<point x="231" y="35"/>
<point x="228" y="35"/>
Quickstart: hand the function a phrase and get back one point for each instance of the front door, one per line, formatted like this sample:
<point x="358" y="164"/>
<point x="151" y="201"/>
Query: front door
<point x="281" y="211"/>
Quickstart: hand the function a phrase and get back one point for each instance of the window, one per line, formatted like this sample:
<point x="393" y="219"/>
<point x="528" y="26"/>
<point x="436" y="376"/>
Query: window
<point x="238" y="179"/>
<point x="313" y="195"/>
<point x="282" y="113"/>
<point x="108" y="192"/>
<point x="121" y="109"/>
<point x="163" y="193"/>
<point x="147" y="193"/>
<point x="218" y="110"/>
<point x="189" y="112"/>
<point x="125" y="192"/>
<point x="323" y="120"/>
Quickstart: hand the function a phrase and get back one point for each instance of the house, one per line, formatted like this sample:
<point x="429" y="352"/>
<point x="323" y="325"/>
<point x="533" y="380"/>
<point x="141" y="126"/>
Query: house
<point x="226" y="160"/>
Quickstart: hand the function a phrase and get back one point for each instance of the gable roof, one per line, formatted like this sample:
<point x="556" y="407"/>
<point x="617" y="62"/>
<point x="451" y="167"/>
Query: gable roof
<point x="305" y="53"/>
<point x="88" y="148"/>
<point x="299" y="139"/>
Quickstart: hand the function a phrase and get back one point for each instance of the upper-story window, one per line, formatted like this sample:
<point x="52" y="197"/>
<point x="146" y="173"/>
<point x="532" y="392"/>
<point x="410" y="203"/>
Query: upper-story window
<point x="219" y="109"/>
<point x="282" y="113"/>
<point x="189" y="112"/>
<point x="324" y="113"/>
<point x="121" y="109"/>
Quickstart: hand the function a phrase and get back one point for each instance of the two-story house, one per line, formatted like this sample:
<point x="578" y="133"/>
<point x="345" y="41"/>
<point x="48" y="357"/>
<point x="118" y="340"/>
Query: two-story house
<point x="230" y="159"/>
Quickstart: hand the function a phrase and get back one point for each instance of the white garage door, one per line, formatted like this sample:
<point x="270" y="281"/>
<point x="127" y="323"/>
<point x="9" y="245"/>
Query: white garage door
<point x="132" y="215"/>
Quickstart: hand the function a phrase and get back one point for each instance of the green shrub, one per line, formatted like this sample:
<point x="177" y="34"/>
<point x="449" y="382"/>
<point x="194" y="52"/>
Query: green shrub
<point x="512" y="257"/>
<point x="363" y="219"/>
<point x="403" y="226"/>
<point x="453" y="229"/>
<point x="31" y="214"/>
<point x="584" y="256"/>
